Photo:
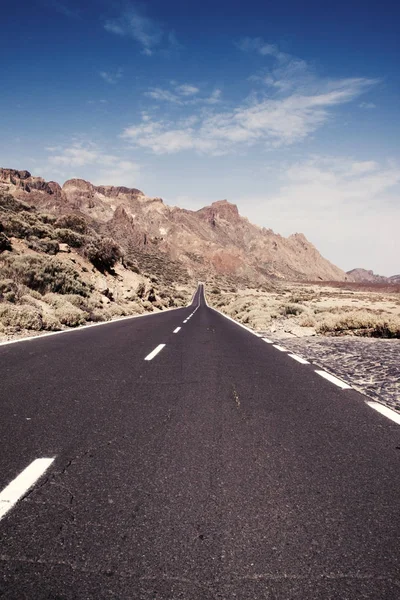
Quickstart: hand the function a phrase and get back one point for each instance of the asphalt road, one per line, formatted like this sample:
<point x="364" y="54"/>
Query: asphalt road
<point x="220" y="469"/>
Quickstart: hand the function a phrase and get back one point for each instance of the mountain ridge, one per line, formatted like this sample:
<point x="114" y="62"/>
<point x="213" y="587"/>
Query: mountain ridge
<point x="212" y="241"/>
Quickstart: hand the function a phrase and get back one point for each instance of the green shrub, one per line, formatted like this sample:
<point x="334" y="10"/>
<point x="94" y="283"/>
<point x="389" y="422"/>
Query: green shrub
<point x="103" y="254"/>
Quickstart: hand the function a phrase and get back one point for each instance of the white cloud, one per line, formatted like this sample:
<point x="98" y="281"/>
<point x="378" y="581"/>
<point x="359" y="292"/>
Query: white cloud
<point x="274" y="122"/>
<point x="367" y="105"/>
<point x="186" y="89"/>
<point x="349" y="209"/>
<point x="183" y="94"/>
<point x="111" y="77"/>
<point x="64" y="9"/>
<point x="109" y="169"/>
<point x="149" y="34"/>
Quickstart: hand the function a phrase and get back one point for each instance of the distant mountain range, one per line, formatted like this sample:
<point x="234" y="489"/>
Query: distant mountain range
<point x="214" y="241"/>
<point x="364" y="276"/>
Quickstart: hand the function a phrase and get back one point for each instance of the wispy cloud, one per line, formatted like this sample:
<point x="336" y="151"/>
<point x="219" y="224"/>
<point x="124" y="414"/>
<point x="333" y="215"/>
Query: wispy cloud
<point x="109" y="169"/>
<point x="148" y="33"/>
<point x="111" y="77"/>
<point x="64" y="8"/>
<point x="274" y="122"/>
<point x="333" y="199"/>
<point x="367" y="105"/>
<point x="182" y="94"/>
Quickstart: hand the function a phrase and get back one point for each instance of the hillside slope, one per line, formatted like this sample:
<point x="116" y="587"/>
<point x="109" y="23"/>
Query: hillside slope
<point x="214" y="241"/>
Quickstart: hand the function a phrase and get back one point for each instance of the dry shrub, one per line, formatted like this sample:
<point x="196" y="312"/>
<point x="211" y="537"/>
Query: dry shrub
<point x="292" y="309"/>
<point x="45" y="245"/>
<point x="43" y="274"/>
<point x="103" y="253"/>
<point x="50" y="322"/>
<point x="70" y="315"/>
<point x="20" y="317"/>
<point x="5" y="243"/>
<point x="361" y="323"/>
<point x="70" y="237"/>
<point x="307" y="320"/>
<point x="72" y="221"/>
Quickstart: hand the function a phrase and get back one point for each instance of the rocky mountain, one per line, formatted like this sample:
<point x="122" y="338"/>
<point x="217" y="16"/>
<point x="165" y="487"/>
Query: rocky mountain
<point x="215" y="241"/>
<point x="368" y="276"/>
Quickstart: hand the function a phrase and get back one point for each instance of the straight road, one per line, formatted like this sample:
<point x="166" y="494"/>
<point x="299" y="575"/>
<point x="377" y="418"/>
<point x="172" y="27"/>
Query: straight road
<point x="192" y="461"/>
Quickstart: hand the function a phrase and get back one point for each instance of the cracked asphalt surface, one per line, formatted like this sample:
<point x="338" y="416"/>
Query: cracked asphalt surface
<point x="221" y="469"/>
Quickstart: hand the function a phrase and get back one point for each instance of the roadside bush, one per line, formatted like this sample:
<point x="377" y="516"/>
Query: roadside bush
<point x="69" y="315"/>
<point x="292" y="309"/>
<point x="74" y="222"/>
<point x="43" y="274"/>
<point x="103" y="254"/>
<point x="360" y="323"/>
<point x="20" y="317"/>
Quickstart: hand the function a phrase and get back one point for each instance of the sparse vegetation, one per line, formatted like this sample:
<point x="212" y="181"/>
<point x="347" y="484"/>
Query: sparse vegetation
<point x="104" y="254"/>
<point x="46" y="287"/>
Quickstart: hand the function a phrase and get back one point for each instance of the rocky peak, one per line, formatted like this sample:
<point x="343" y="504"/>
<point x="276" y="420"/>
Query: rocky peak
<point x="79" y="184"/>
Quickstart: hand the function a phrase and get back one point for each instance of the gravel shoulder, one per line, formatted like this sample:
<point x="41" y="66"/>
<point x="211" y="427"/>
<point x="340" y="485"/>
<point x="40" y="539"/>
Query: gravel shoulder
<point x="371" y="366"/>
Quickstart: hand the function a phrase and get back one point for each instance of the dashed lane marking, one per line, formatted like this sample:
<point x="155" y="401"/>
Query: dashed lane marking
<point x="335" y="380"/>
<point x="303" y="361"/>
<point x="280" y="348"/>
<point x="155" y="352"/>
<point x="22" y="483"/>
<point x="177" y="329"/>
<point x="267" y="341"/>
<point x="384" y="410"/>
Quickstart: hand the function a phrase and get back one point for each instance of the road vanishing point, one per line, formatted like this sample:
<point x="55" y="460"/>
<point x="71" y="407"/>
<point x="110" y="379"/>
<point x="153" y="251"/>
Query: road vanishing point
<point x="179" y="456"/>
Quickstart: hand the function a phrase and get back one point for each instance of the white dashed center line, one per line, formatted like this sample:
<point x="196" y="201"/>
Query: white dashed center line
<point x="22" y="483"/>
<point x="154" y="352"/>
<point x="335" y="380"/>
<point x="384" y="410"/>
<point x="177" y="329"/>
<point x="303" y="361"/>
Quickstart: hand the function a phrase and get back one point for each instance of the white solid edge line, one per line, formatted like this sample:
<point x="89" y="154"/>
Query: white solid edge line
<point x="177" y="329"/>
<point x="267" y="340"/>
<point x="335" y="380"/>
<point x="259" y="335"/>
<point x="303" y="361"/>
<point x="384" y="410"/>
<point x="22" y="483"/>
<point x="155" y="352"/>
<point x="280" y="348"/>
<point x="236" y="322"/>
<point x="81" y="327"/>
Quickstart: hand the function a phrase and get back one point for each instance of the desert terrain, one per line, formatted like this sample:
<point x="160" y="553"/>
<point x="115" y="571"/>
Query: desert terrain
<point x="350" y="329"/>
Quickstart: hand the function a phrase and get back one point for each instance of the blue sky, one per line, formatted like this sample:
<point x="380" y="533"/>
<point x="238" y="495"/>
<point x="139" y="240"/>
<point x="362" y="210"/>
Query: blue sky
<point x="289" y="109"/>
